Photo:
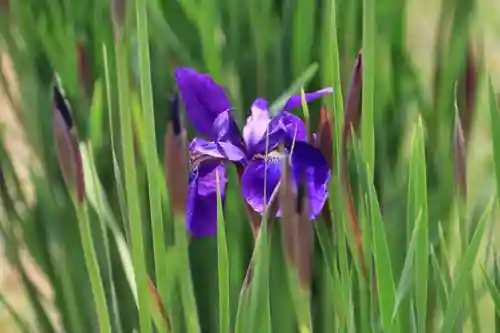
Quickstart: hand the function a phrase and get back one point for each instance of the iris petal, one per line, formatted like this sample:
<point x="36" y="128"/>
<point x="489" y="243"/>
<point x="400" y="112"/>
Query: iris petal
<point x="308" y="162"/>
<point x="295" y="127"/>
<point x="255" y="182"/>
<point x="203" y="98"/>
<point x="256" y="125"/>
<point x="202" y="199"/>
<point x="296" y="101"/>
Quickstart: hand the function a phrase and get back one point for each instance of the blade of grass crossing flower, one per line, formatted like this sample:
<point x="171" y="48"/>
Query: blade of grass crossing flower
<point x="295" y="87"/>
<point x="222" y="266"/>
<point x="464" y="273"/>
<point x="131" y="186"/>
<point x="305" y="110"/>
<point x="368" y="91"/>
<point x="155" y="202"/>
<point x="93" y="269"/>
<point x="419" y="186"/>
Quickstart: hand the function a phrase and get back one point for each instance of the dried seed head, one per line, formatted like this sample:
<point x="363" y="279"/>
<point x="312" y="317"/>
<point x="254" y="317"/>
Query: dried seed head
<point x="353" y="106"/>
<point x="176" y="160"/>
<point x="118" y="12"/>
<point x="84" y="74"/>
<point x="295" y="226"/>
<point x="324" y="137"/>
<point x="467" y="110"/>
<point x="68" y="151"/>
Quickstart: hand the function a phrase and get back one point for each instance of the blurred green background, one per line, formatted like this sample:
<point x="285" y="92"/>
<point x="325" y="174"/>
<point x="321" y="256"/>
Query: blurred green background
<point x="263" y="48"/>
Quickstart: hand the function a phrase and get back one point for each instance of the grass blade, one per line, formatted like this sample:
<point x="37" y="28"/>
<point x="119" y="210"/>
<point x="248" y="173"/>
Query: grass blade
<point x="464" y="272"/>
<point x="93" y="269"/>
<point x="294" y="88"/>
<point x="155" y="201"/>
<point x="418" y="210"/>
<point x="131" y="183"/>
<point x="223" y="266"/>
<point x="492" y="288"/>
<point x="368" y="91"/>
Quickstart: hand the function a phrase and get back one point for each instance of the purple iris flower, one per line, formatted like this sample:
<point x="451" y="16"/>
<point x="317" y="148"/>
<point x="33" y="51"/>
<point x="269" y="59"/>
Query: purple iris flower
<point x="209" y="110"/>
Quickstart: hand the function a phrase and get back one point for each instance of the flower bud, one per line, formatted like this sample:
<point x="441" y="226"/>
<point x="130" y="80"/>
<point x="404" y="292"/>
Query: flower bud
<point x="68" y="151"/>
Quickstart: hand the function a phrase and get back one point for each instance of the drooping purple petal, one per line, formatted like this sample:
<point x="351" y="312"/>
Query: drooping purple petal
<point x="202" y="150"/>
<point x="296" y="101"/>
<point x="202" y="198"/>
<point x="295" y="127"/>
<point x="203" y="98"/>
<point x="255" y="128"/>
<point x="308" y="162"/>
<point x="199" y="147"/>
<point x="255" y="182"/>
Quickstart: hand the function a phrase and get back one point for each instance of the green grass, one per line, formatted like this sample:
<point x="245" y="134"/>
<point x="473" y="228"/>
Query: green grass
<point x="401" y="247"/>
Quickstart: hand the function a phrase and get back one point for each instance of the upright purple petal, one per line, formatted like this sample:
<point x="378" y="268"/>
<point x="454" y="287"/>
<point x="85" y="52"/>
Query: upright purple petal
<point x="255" y="182"/>
<point x="296" y="101"/>
<point x="225" y="129"/>
<point x="307" y="161"/>
<point x="277" y="133"/>
<point x="202" y="199"/>
<point x="203" y="98"/>
<point x="255" y="128"/>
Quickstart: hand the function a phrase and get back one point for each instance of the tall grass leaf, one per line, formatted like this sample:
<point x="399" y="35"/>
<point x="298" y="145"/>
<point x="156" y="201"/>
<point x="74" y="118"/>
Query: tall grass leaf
<point x="259" y="283"/>
<point x="441" y="280"/>
<point x="368" y="91"/>
<point x="294" y="88"/>
<point x="131" y="182"/>
<point x="383" y="268"/>
<point x="495" y="134"/>
<point x="419" y="186"/>
<point x="116" y="168"/>
<point x="463" y="274"/>
<point x="303" y="35"/>
<point x="155" y="202"/>
<point x="97" y="114"/>
<point x="93" y="269"/>
<point x="492" y="288"/>
<point x="222" y="266"/>
<point x="496" y="270"/>
<point x="407" y="278"/>
<point x="98" y="200"/>
<point x="108" y="273"/>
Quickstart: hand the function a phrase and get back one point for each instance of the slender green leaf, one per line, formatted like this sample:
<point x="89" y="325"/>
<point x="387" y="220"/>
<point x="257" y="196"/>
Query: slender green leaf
<point x="222" y="266"/>
<point x="463" y="274"/>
